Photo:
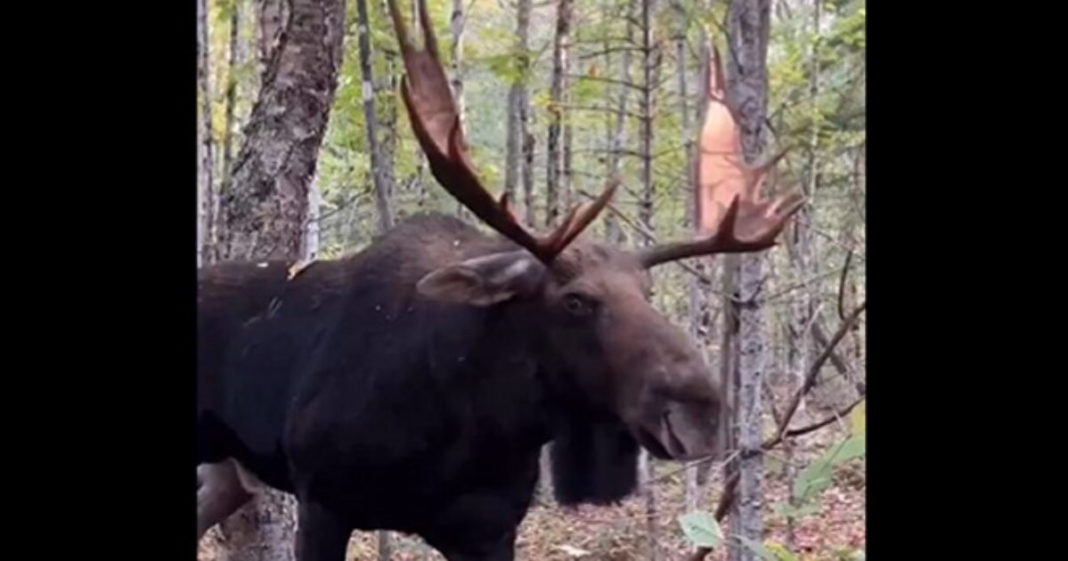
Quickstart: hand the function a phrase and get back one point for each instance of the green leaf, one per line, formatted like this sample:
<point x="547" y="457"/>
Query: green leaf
<point x="817" y="476"/>
<point x="853" y="447"/>
<point x="701" y="529"/>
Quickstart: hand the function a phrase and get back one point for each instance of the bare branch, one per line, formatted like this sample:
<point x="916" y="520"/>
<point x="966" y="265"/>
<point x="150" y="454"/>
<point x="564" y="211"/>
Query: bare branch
<point x="842" y="285"/>
<point x="729" y="490"/>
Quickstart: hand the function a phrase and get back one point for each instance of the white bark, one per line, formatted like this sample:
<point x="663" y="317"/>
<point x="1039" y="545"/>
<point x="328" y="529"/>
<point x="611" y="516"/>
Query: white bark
<point x="748" y="26"/>
<point x="456" y="26"/>
<point x="205" y="157"/>
<point x="311" y="233"/>
<point x="382" y="186"/>
<point x="518" y="104"/>
<point x="650" y="71"/>
<point x="617" y="137"/>
<point x="554" y="159"/>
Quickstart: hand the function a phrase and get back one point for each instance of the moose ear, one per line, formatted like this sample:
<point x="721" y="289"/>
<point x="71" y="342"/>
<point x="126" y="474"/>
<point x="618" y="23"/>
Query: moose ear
<point x="484" y="281"/>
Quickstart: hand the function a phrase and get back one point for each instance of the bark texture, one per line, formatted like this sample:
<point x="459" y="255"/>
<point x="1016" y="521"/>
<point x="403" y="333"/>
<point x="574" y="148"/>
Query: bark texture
<point x="205" y="156"/>
<point x="650" y="73"/>
<point x="748" y="24"/>
<point x="554" y="156"/>
<point x="618" y="135"/>
<point x="264" y="208"/>
<point x="518" y="105"/>
<point x="381" y="175"/>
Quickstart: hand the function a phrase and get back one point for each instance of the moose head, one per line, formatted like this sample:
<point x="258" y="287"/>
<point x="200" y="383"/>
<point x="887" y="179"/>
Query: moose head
<point x="591" y="300"/>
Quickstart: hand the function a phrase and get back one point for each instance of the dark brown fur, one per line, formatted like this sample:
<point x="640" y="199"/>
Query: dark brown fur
<point x="385" y="396"/>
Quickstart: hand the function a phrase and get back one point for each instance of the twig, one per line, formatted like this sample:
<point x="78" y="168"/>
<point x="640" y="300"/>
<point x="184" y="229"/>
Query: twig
<point x="801" y="284"/>
<point x="841" y="285"/>
<point x="649" y="236"/>
<point x="819" y="425"/>
<point x="814" y="370"/>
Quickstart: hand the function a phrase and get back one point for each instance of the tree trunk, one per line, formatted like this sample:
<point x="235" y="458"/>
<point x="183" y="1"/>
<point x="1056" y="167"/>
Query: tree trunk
<point x="527" y="171"/>
<point x="379" y="170"/>
<point x="650" y="71"/>
<point x="692" y="492"/>
<point x="206" y="159"/>
<point x="389" y="123"/>
<point x="311" y="232"/>
<point x="518" y="104"/>
<point x="701" y="302"/>
<point x="613" y="231"/>
<point x="266" y="204"/>
<point x="271" y="18"/>
<point x="236" y="58"/>
<point x="456" y="26"/>
<point x="554" y="160"/>
<point x="748" y="24"/>
<point x="456" y="53"/>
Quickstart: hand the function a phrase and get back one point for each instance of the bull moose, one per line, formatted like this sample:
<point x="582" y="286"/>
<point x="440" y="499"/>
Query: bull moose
<point x="411" y="386"/>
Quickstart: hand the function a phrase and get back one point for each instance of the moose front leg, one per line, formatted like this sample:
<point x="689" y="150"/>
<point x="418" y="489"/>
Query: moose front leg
<point x="481" y="526"/>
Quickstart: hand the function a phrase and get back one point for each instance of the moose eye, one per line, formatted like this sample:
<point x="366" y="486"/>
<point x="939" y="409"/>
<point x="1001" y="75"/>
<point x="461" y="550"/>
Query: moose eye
<point x="577" y="305"/>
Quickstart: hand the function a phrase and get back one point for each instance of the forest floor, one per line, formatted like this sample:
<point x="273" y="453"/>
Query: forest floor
<point x="834" y="532"/>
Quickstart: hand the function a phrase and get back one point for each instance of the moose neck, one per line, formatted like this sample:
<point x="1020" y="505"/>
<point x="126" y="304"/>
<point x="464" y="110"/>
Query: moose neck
<point x="593" y="457"/>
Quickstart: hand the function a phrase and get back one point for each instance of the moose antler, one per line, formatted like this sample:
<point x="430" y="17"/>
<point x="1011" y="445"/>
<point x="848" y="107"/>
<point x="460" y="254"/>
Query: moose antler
<point x="748" y="224"/>
<point x="744" y="223"/>
<point x="436" y="124"/>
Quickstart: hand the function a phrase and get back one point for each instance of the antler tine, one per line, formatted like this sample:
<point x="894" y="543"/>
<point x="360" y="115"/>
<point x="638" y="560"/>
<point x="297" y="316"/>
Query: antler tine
<point x="762" y="223"/>
<point x="435" y="121"/>
<point x="581" y="217"/>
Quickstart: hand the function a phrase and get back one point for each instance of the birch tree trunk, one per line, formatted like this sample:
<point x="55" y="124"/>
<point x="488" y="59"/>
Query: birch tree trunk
<point x="271" y="16"/>
<point x="266" y="205"/>
<point x="650" y="72"/>
<point x="379" y="169"/>
<point x="236" y="58"/>
<point x="310" y="251"/>
<point x="456" y="26"/>
<point x="748" y="24"/>
<point x="389" y="125"/>
<point x="554" y="161"/>
<point x="527" y="173"/>
<point x="801" y="251"/>
<point x="613" y="231"/>
<point x="518" y="104"/>
<point x="691" y="491"/>
<point x="456" y="81"/>
<point x="205" y="156"/>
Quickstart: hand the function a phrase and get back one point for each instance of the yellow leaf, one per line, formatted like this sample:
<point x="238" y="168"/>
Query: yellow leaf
<point x="297" y="267"/>
<point x="858" y="418"/>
